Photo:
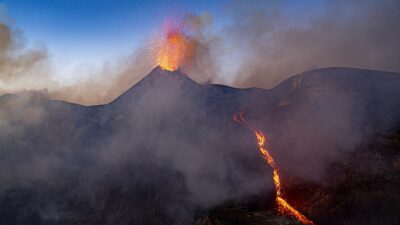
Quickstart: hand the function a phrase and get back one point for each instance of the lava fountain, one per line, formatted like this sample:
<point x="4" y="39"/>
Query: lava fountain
<point x="173" y="48"/>
<point x="284" y="207"/>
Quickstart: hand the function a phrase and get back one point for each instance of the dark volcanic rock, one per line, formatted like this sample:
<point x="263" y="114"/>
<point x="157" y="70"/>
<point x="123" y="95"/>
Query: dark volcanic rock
<point x="167" y="151"/>
<point x="364" y="189"/>
<point x="237" y="216"/>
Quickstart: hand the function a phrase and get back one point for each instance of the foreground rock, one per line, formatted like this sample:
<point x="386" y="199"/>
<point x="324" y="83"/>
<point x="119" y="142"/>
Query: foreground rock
<point x="237" y="216"/>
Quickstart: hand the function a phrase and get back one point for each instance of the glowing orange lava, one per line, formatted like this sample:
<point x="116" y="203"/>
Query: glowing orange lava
<point x="173" y="47"/>
<point x="283" y="206"/>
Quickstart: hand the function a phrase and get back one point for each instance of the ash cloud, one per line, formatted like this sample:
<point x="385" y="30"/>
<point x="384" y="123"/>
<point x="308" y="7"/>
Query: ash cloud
<point x="262" y="44"/>
<point x="21" y="67"/>
<point x="24" y="67"/>
<point x="273" y="42"/>
<point x="203" y="66"/>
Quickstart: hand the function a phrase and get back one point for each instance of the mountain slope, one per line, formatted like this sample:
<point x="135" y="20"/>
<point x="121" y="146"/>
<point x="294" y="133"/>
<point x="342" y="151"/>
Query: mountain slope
<point x="167" y="149"/>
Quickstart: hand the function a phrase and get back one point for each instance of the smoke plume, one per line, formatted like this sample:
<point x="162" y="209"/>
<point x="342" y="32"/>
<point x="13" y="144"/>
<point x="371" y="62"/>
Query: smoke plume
<point x="29" y="68"/>
<point x="21" y="67"/>
<point x="271" y="41"/>
<point x="259" y="45"/>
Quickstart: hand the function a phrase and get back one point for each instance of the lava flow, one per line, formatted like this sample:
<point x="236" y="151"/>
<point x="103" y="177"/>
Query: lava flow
<point x="283" y="206"/>
<point x="173" y="47"/>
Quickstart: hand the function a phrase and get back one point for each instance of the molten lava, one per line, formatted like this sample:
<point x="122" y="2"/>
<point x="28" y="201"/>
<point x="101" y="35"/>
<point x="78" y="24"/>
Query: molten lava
<point x="283" y="206"/>
<point x="174" y="48"/>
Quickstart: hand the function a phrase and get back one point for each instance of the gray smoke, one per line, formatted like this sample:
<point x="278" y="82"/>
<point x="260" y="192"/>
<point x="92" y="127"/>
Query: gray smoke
<point x="165" y="148"/>
<point x="21" y="67"/>
<point x="272" y="41"/>
<point x="262" y="44"/>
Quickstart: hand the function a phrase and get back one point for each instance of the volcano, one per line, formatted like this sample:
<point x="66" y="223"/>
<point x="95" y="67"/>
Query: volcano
<point x="167" y="152"/>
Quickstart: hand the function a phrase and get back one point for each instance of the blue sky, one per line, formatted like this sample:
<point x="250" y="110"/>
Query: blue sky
<point x="81" y="35"/>
<point x="88" y="32"/>
<point x="91" y="31"/>
<point x="253" y="43"/>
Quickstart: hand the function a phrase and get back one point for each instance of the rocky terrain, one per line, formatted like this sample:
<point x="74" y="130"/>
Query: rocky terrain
<point x="167" y="152"/>
<point x="364" y="189"/>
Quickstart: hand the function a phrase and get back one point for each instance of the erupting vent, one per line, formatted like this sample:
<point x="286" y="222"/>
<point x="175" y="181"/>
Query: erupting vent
<point x="173" y="47"/>
<point x="283" y="206"/>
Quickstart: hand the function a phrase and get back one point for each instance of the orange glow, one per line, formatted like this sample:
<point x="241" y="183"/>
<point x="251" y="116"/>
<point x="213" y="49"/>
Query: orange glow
<point x="173" y="47"/>
<point x="283" y="207"/>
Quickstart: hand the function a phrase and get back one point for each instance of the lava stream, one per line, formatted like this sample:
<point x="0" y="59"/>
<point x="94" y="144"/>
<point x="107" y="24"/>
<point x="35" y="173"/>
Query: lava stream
<point x="283" y="206"/>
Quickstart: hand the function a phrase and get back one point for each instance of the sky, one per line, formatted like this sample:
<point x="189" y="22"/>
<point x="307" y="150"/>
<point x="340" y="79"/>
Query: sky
<point x="92" y="31"/>
<point x="92" y="45"/>
<point x="89" y="32"/>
